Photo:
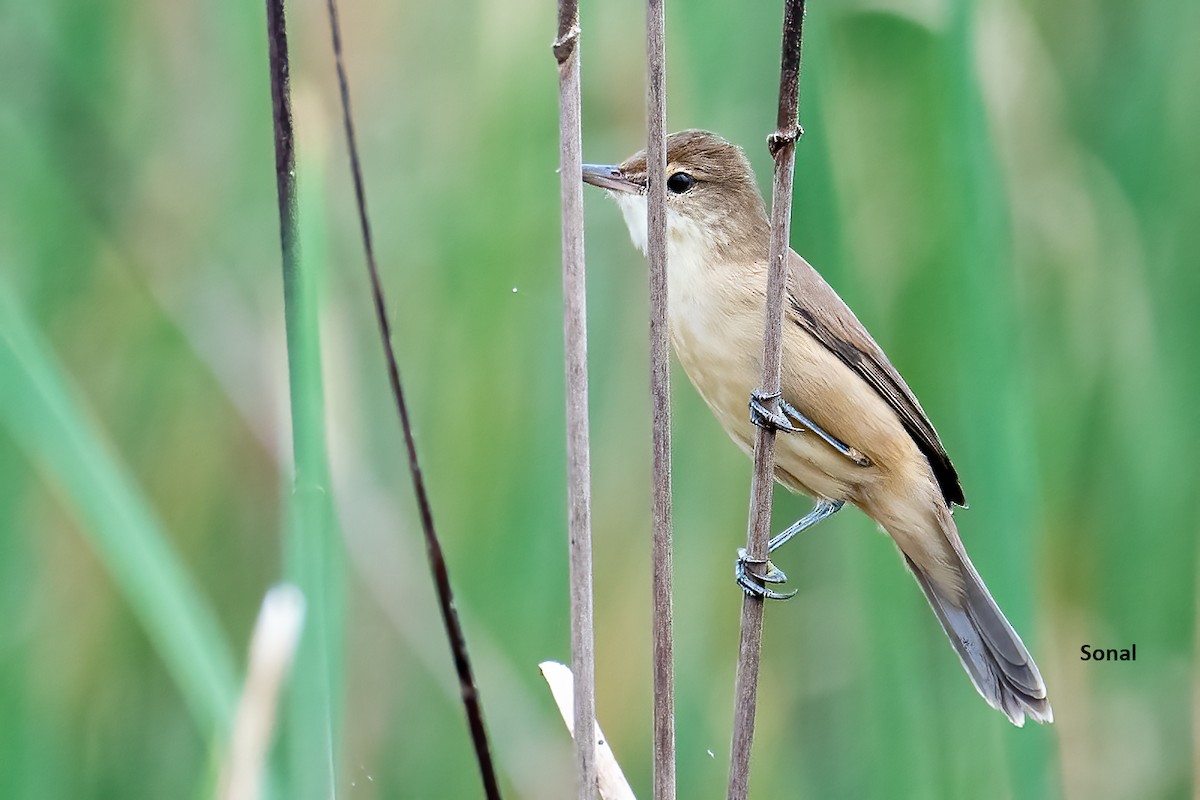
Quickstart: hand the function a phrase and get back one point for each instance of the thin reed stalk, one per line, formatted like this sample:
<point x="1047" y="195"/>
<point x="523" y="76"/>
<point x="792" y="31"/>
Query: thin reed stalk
<point x="579" y="510"/>
<point x="660" y="396"/>
<point x="468" y="689"/>
<point x="782" y="144"/>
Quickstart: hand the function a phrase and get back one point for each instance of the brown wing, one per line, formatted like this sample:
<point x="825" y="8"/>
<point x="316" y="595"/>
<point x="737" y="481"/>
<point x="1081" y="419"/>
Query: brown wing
<point x="814" y="306"/>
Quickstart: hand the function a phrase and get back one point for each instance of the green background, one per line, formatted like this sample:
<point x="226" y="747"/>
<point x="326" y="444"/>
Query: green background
<point x="1004" y="191"/>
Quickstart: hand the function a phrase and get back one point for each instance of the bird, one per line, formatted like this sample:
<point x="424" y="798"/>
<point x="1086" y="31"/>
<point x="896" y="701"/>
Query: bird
<point x="851" y="429"/>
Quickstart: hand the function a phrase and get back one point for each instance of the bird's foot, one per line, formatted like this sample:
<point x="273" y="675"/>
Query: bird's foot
<point x="767" y="419"/>
<point x="751" y="574"/>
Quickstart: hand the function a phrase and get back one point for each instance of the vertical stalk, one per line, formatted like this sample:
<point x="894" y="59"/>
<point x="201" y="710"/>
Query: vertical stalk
<point x="782" y="144"/>
<point x="579" y="511"/>
<point x="660" y="396"/>
<point x="313" y="552"/>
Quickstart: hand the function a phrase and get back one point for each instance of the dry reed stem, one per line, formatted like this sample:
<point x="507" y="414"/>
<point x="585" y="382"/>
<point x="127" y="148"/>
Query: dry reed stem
<point x="609" y="778"/>
<point x="579" y="510"/>
<point x="660" y="396"/>
<point x="782" y="144"/>
<point x="272" y="649"/>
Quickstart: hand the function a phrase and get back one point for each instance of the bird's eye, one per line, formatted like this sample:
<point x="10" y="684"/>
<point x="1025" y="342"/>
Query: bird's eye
<point x="680" y="182"/>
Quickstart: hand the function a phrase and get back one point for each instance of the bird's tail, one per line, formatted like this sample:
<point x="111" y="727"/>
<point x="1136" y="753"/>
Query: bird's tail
<point x="990" y="650"/>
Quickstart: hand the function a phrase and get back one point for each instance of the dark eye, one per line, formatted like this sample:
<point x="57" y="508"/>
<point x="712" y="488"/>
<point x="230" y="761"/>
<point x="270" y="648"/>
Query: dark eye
<point x="680" y="182"/>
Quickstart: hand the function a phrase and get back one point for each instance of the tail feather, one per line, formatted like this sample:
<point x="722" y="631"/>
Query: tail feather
<point x="991" y="651"/>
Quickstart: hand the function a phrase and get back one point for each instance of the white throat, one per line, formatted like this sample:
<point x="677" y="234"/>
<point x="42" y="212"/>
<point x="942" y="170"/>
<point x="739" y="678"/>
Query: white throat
<point x="633" y="208"/>
<point x="691" y="252"/>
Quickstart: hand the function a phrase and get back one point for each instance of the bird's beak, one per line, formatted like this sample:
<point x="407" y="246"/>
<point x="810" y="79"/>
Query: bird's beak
<point x="609" y="177"/>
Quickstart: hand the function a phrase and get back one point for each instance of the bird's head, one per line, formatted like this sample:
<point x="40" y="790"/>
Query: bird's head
<point x="713" y="202"/>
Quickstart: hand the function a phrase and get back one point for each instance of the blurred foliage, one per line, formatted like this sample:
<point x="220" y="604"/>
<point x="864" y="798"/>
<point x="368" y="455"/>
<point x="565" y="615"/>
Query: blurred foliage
<point x="1004" y="191"/>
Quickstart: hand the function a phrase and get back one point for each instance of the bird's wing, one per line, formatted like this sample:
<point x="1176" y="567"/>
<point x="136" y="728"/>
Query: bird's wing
<point x="815" y="306"/>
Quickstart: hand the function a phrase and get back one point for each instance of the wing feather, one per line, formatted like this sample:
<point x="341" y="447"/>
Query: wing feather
<point x="814" y="306"/>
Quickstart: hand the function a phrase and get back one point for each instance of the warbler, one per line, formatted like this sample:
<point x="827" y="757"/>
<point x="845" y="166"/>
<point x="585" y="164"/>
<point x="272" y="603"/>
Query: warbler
<point x="851" y="430"/>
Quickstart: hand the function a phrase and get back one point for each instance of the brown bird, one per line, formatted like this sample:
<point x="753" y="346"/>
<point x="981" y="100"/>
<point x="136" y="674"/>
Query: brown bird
<point x="852" y="430"/>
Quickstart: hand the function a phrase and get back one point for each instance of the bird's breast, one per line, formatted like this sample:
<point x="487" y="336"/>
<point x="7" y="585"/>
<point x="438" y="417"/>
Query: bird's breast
<point x="716" y="317"/>
<point x="716" y="329"/>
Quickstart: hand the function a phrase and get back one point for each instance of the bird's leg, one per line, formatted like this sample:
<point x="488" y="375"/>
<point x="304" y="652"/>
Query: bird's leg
<point x="751" y="581"/>
<point x="849" y="452"/>
<point x="822" y="510"/>
<point x="763" y="417"/>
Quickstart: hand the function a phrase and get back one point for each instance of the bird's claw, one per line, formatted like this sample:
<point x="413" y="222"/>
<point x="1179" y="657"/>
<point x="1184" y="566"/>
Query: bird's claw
<point x="751" y="581"/>
<point x="766" y="419"/>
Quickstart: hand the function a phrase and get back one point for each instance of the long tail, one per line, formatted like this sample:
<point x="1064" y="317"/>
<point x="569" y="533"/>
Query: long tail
<point x="991" y="651"/>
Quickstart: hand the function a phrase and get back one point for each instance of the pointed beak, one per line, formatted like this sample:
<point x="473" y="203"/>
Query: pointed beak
<point x="609" y="177"/>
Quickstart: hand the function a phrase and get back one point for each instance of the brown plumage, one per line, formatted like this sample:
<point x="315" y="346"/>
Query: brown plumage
<point x="834" y="374"/>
